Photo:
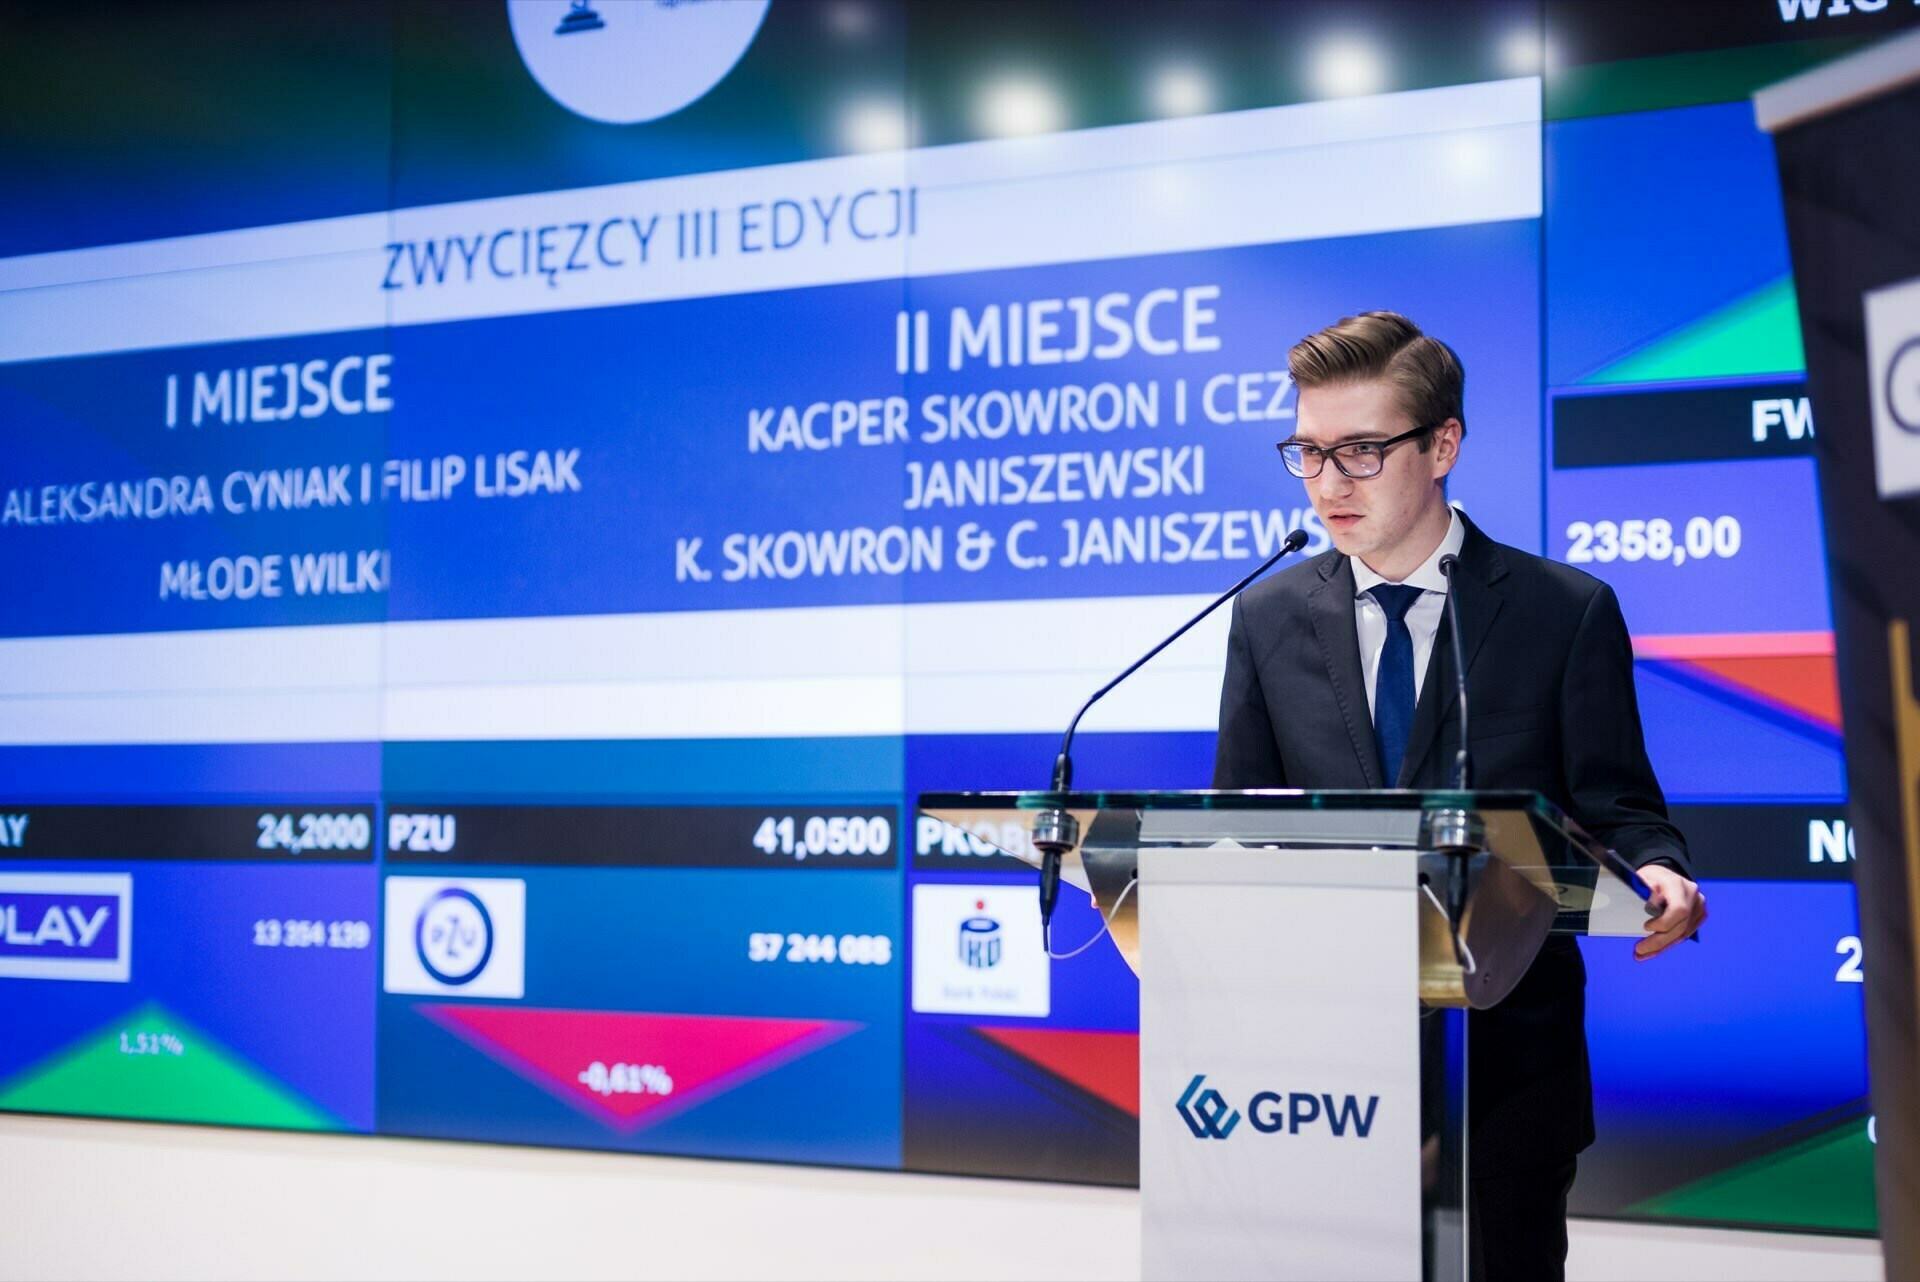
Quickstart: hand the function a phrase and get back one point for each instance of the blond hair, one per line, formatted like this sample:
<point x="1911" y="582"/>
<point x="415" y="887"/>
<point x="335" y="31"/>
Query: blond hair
<point x="1427" y="377"/>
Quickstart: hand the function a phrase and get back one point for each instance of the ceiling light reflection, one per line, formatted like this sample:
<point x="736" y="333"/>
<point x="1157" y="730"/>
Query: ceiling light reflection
<point x="1346" y="66"/>
<point x="1019" y="105"/>
<point x="874" y="124"/>
<point x="1181" y="89"/>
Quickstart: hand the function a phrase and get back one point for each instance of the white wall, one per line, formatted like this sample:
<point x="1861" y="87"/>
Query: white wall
<point x="81" y="1199"/>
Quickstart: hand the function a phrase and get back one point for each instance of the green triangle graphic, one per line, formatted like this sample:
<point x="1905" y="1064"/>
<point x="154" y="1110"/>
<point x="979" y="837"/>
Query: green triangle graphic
<point x="1757" y="333"/>
<point x="1822" y="1183"/>
<point x="154" y="1065"/>
<point x="1685" y="79"/>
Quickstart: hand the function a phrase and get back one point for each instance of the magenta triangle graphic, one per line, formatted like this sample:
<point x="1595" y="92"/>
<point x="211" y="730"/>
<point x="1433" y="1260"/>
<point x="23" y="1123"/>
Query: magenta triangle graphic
<point x="629" y="1070"/>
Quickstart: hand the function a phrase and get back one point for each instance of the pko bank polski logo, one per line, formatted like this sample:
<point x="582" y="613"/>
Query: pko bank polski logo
<point x="1210" y="1117"/>
<point x="1893" y="368"/>
<point x="977" y="950"/>
<point x="466" y="937"/>
<point x="624" y="61"/>
<point x="980" y="939"/>
<point x="55" y="926"/>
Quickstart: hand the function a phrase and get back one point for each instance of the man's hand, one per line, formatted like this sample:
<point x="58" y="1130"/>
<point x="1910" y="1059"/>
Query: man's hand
<point x="1678" y="908"/>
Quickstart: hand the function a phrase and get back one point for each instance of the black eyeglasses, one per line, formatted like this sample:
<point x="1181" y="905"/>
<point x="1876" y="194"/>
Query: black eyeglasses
<point x="1357" y="460"/>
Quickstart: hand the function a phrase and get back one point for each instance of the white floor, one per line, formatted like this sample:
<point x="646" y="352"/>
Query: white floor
<point x="82" y="1199"/>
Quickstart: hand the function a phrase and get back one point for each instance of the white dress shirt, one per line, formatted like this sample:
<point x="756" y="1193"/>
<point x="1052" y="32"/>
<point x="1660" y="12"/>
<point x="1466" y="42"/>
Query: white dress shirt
<point x="1423" y="619"/>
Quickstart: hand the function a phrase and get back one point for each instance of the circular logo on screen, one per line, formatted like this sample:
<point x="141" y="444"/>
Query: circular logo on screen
<point x="1903" y="386"/>
<point x="624" y="61"/>
<point x="453" y="936"/>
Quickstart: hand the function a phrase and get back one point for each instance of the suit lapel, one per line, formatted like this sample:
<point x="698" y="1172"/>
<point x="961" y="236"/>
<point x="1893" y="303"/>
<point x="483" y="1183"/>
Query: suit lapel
<point x="1476" y="578"/>
<point x="1331" y="607"/>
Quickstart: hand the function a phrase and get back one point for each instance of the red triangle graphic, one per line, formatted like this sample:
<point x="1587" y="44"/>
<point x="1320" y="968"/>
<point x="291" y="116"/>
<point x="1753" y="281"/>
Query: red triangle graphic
<point x="1106" y="1065"/>
<point x="629" y="1070"/>
<point x="1809" y="684"/>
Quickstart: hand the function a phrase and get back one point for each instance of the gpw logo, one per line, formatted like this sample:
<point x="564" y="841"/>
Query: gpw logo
<point x="1209" y="1117"/>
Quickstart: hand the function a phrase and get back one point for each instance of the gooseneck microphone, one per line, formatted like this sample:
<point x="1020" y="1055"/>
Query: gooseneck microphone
<point x="1056" y="832"/>
<point x="1462" y="763"/>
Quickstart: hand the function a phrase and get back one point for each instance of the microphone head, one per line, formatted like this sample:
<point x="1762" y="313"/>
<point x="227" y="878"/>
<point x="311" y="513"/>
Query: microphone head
<point x="1295" y="541"/>
<point x="1447" y="563"/>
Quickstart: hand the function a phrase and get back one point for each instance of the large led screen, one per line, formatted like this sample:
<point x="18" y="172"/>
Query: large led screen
<point x="505" y="505"/>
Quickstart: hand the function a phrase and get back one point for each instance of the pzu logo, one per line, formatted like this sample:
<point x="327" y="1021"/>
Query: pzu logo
<point x="453" y="936"/>
<point x="466" y="937"/>
<point x="1209" y="1116"/>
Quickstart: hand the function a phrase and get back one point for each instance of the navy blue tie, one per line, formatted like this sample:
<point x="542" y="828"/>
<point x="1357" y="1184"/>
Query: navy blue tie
<point x="1393" y="694"/>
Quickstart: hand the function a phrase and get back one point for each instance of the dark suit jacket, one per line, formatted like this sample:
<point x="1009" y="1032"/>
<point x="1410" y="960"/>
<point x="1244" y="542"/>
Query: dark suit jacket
<point x="1550" y="684"/>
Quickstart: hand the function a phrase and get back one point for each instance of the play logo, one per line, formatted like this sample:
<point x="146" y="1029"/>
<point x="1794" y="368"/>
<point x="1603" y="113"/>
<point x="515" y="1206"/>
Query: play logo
<point x="55" y="926"/>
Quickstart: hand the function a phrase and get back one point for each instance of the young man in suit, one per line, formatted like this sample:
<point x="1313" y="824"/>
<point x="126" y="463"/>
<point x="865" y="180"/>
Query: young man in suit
<point x="1339" y="675"/>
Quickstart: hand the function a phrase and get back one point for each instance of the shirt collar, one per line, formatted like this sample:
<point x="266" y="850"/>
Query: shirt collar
<point x="1428" y="576"/>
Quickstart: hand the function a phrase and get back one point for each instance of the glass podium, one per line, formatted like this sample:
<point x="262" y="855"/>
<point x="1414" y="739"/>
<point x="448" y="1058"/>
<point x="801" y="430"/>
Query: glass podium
<point x="1306" y="962"/>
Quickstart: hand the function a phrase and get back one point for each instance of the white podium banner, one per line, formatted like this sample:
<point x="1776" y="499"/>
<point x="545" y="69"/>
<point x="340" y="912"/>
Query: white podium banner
<point x="1280" y="1064"/>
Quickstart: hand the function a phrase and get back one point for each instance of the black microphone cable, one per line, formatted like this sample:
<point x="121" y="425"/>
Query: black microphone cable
<point x="1462" y="763"/>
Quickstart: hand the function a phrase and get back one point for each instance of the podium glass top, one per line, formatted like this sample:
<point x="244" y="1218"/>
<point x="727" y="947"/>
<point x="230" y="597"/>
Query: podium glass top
<point x="1595" y="889"/>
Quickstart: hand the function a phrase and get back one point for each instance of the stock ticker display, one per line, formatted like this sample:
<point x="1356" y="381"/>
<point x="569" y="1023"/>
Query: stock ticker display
<point x="190" y="964"/>
<point x="673" y="979"/>
<point x="485" y="584"/>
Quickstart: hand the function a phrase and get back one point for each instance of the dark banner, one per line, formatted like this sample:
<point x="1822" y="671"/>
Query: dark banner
<point x="1845" y="141"/>
<point x="303" y="833"/>
<point x="761" y="837"/>
<point x="1622" y="428"/>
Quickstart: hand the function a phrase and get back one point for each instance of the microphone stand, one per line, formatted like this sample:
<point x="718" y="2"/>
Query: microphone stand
<point x="1462" y="763"/>
<point x="1056" y="833"/>
<point x="1458" y="834"/>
